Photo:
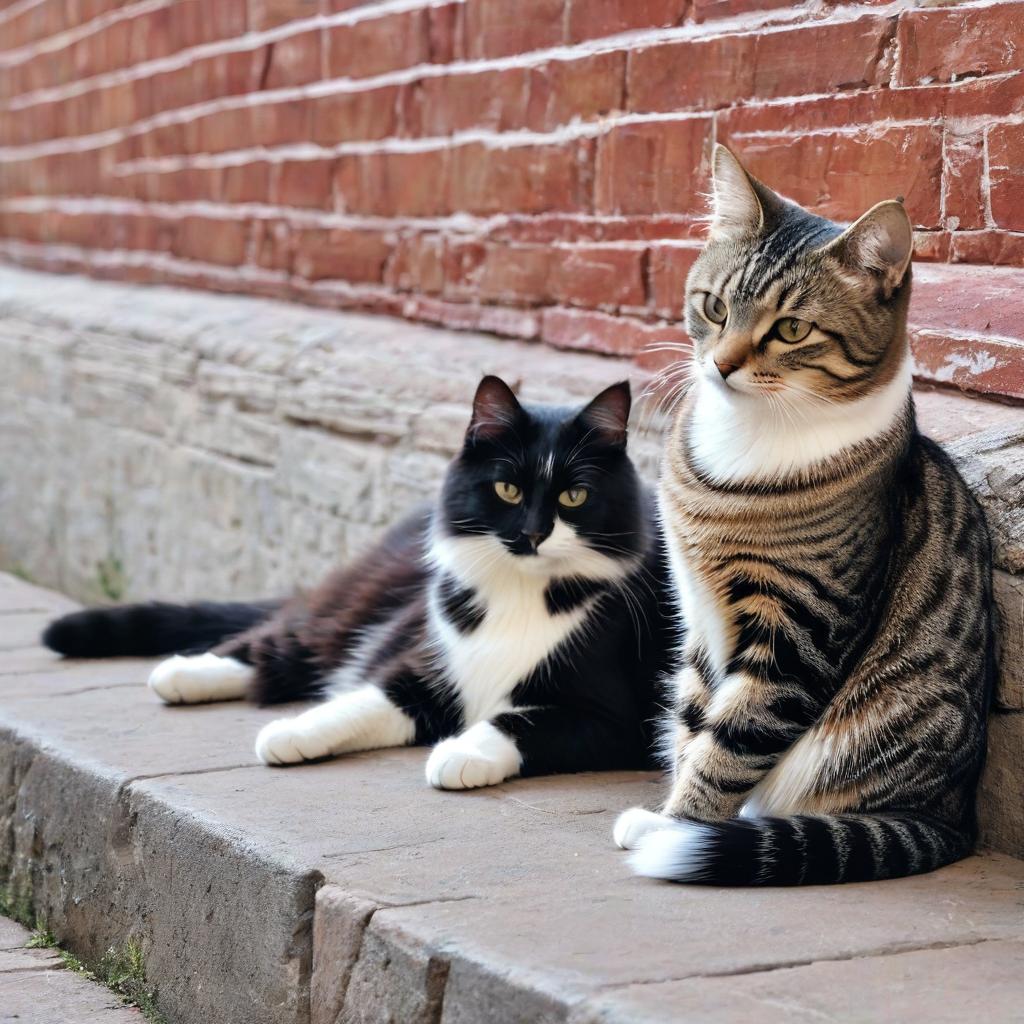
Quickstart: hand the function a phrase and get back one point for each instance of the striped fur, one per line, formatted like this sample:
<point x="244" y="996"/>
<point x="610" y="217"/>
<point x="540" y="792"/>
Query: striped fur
<point x="834" y="571"/>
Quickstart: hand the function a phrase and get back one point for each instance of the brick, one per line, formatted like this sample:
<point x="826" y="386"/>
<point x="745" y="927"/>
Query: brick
<point x="946" y="44"/>
<point x="417" y="264"/>
<point x="562" y="90"/>
<point x="306" y="183"/>
<point x="442" y="105"/>
<point x="963" y="174"/>
<point x="668" y="267"/>
<point x="840" y="175"/>
<point x="211" y="241"/>
<point x="376" y="45"/>
<point x="341" y="254"/>
<point x="273" y="244"/>
<point x="463" y="261"/>
<point x="244" y="183"/>
<point x="294" y="60"/>
<point x="500" y="29"/>
<point x="1006" y="173"/>
<point x="524" y="179"/>
<point x="601" y="332"/>
<point x="516" y="274"/>
<point x="699" y="74"/>
<point x="589" y="19"/>
<point x="279" y="124"/>
<point x="350" y="116"/>
<point x="264" y="14"/>
<point x="996" y="247"/>
<point x="446" y="33"/>
<point x="394" y="184"/>
<point x="212" y="133"/>
<point x="599" y="277"/>
<point x="653" y="167"/>
<point x="932" y="246"/>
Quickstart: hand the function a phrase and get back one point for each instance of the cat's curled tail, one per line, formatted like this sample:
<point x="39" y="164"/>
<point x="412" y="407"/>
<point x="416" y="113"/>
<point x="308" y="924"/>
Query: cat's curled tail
<point x="800" y="850"/>
<point x="146" y="630"/>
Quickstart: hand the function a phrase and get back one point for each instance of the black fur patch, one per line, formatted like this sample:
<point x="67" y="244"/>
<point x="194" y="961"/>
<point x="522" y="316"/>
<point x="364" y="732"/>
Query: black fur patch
<point x="563" y="596"/>
<point x="459" y="605"/>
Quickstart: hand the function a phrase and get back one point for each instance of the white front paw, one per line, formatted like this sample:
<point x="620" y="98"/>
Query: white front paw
<point x="193" y="679"/>
<point x="632" y="825"/>
<point x="448" y="767"/>
<point x="285" y="741"/>
<point x="481" y="756"/>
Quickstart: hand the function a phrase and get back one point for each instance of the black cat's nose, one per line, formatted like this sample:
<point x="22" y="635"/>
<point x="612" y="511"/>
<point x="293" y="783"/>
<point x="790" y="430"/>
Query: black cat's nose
<point x="726" y="368"/>
<point x="536" y="539"/>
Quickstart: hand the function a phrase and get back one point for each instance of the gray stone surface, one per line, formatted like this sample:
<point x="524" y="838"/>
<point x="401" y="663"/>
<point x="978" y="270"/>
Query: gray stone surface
<point x="940" y="986"/>
<point x="351" y="892"/>
<point x="36" y="989"/>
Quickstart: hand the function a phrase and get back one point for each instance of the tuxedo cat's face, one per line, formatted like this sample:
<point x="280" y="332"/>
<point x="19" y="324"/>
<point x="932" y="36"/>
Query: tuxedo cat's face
<point x="551" y="485"/>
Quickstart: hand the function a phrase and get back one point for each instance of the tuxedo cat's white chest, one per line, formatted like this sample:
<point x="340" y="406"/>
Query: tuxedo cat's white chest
<point x="513" y="635"/>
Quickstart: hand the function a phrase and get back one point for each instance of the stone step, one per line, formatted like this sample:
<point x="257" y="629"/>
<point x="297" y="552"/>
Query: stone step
<point x="350" y="891"/>
<point x="35" y="987"/>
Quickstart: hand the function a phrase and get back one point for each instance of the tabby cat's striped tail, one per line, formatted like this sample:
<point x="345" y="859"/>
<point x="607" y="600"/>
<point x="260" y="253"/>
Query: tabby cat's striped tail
<point x="799" y="850"/>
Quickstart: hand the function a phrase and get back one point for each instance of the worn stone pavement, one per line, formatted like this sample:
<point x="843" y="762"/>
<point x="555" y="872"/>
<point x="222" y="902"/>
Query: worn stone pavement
<point x="350" y="891"/>
<point x="35" y="988"/>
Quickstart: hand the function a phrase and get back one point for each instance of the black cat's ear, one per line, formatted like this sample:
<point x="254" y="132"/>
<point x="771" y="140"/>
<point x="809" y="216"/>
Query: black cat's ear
<point x="606" y="417"/>
<point x="881" y="243"/>
<point x="495" y="409"/>
<point x="741" y="206"/>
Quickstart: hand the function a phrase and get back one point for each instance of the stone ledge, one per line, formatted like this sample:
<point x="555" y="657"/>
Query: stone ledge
<point x="350" y="891"/>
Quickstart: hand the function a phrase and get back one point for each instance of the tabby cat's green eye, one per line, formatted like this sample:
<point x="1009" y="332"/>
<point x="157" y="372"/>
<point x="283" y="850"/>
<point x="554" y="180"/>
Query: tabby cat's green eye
<point x="715" y="309"/>
<point x="508" y="492"/>
<point x="792" y="330"/>
<point x="573" y="497"/>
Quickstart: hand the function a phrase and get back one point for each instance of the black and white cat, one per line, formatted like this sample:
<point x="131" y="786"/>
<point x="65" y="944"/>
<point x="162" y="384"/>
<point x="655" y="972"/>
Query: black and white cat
<point x="521" y="625"/>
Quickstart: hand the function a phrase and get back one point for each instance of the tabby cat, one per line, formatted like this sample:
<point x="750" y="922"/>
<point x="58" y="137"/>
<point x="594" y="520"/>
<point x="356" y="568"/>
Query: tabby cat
<point x="833" y="569"/>
<point x="520" y="624"/>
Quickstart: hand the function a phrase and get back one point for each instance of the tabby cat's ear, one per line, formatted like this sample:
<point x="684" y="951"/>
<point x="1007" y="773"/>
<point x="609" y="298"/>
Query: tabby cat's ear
<point x="495" y="409"/>
<point x="880" y="243"/>
<point x="741" y="206"/>
<point x="606" y="416"/>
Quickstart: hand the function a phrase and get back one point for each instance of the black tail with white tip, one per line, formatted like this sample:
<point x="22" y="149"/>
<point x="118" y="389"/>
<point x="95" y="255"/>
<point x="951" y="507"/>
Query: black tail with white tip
<point x="801" y="850"/>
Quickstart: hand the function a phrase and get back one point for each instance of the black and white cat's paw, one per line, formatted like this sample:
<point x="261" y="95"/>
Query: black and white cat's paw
<point x="290" y="741"/>
<point x="632" y="825"/>
<point x="481" y="756"/>
<point x="200" y="678"/>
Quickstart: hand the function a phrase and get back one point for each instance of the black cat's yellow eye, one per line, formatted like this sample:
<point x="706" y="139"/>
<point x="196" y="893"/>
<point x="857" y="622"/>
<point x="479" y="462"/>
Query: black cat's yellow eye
<point x="792" y="330"/>
<point x="508" y="492"/>
<point x="573" y="497"/>
<point x="715" y="309"/>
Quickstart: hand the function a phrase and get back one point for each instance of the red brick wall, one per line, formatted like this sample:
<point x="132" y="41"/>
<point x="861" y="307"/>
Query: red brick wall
<point x="530" y="167"/>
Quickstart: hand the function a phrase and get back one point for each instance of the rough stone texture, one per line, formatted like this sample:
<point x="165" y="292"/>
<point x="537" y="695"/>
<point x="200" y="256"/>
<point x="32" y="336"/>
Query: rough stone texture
<point x="349" y="891"/>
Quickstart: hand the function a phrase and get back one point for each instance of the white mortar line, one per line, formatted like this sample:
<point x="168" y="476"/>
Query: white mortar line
<point x="17" y="9"/>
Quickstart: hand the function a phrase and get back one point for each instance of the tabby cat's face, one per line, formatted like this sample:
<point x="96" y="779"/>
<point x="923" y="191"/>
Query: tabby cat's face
<point x="785" y="305"/>
<point x="548" y="486"/>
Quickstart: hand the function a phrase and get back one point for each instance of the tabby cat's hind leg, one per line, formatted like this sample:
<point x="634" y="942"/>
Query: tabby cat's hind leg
<point x="362" y="719"/>
<point x="199" y="678"/>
